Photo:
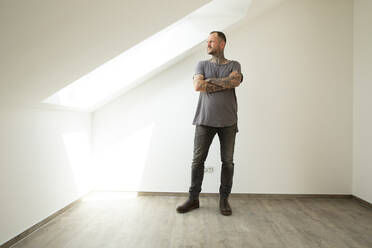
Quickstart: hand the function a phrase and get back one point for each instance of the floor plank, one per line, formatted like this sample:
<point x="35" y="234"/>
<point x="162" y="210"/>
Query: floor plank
<point x="118" y="219"/>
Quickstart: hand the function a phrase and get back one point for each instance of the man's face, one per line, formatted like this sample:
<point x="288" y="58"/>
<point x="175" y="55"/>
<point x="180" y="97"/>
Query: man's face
<point x="214" y="44"/>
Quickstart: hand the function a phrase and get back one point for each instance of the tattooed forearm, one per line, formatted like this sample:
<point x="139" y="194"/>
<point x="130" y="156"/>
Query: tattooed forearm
<point x="232" y="81"/>
<point x="212" y="88"/>
<point x="202" y="85"/>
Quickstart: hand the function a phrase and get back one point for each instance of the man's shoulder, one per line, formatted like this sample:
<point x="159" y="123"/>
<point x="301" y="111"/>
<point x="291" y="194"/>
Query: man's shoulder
<point x="235" y="65"/>
<point x="200" y="67"/>
<point x="203" y="62"/>
<point x="234" y="62"/>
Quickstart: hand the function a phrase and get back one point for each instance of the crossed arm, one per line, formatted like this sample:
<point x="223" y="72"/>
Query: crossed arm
<point x="217" y="84"/>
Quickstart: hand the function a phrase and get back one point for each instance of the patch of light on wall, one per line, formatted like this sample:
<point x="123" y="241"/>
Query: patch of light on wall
<point x="122" y="71"/>
<point x="120" y="164"/>
<point x="78" y="149"/>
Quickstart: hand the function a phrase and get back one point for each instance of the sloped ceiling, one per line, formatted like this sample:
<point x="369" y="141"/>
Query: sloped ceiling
<point x="128" y="69"/>
<point x="47" y="45"/>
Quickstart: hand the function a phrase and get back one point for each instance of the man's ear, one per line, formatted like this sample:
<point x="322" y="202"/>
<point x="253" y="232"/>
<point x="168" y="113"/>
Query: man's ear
<point x="222" y="44"/>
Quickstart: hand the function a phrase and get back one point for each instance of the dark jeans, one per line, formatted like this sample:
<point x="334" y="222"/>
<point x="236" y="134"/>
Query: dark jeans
<point x="203" y="138"/>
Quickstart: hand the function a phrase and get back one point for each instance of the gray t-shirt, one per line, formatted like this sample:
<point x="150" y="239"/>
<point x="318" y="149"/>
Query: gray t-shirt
<point x="217" y="109"/>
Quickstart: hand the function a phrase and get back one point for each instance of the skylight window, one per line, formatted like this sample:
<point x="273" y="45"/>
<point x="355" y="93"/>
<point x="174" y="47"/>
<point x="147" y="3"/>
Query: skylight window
<point x="122" y="72"/>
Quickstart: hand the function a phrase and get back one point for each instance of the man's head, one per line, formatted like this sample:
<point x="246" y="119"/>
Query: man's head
<point x="216" y="42"/>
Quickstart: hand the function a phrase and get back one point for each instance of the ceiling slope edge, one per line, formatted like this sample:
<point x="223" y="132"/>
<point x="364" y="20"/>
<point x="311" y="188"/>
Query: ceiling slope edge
<point x="130" y="68"/>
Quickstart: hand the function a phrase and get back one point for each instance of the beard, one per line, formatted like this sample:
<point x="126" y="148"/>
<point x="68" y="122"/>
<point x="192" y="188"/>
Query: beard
<point x="211" y="51"/>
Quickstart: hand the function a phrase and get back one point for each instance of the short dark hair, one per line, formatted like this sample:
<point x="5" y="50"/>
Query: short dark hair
<point x="220" y="35"/>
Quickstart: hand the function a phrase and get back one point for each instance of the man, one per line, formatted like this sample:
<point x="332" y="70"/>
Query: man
<point x="216" y="112"/>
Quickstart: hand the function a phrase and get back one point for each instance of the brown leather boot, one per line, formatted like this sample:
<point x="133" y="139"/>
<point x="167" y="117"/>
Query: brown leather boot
<point x="189" y="205"/>
<point x="225" y="207"/>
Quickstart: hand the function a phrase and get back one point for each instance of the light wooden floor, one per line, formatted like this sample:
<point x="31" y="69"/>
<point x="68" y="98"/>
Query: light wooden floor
<point x="117" y="220"/>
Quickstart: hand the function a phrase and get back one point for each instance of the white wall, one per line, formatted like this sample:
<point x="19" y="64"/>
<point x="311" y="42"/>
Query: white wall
<point x="362" y="169"/>
<point x="44" y="160"/>
<point x="295" y="111"/>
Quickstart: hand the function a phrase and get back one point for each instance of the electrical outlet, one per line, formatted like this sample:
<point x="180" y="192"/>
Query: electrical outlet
<point x="208" y="169"/>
